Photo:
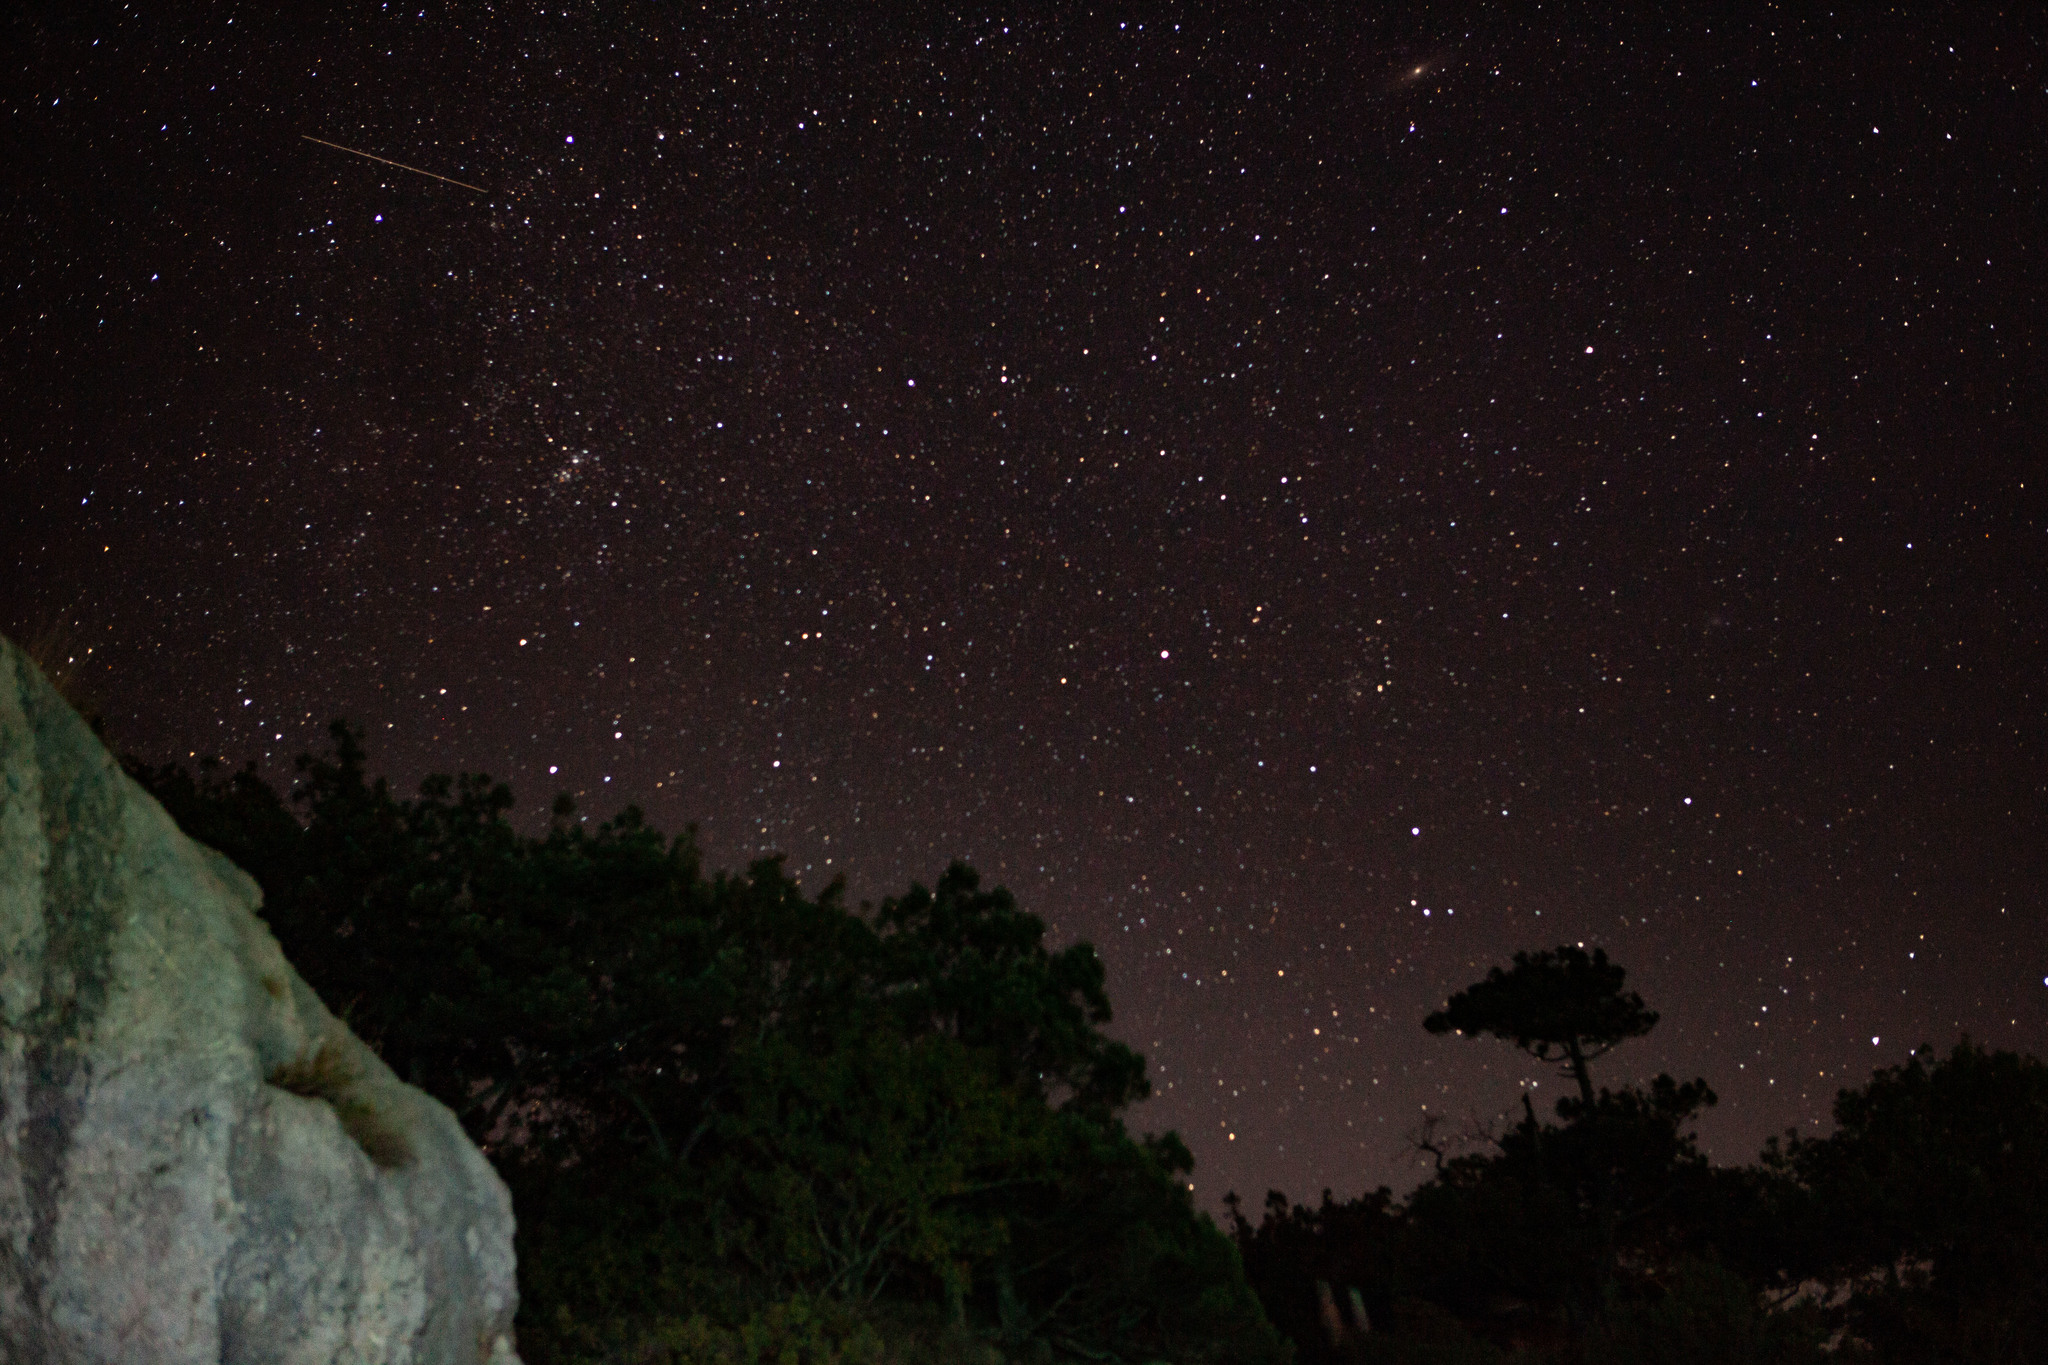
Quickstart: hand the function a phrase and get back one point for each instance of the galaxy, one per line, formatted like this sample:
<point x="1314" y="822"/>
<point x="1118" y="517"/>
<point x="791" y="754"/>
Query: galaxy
<point x="1313" y="502"/>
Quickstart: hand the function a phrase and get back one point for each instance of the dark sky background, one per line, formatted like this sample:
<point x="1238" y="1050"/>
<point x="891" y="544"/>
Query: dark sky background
<point x="1311" y="504"/>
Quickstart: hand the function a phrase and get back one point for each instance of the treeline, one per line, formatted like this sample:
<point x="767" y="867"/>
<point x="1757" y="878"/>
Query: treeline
<point x="742" y="1124"/>
<point x="1916" y="1232"/>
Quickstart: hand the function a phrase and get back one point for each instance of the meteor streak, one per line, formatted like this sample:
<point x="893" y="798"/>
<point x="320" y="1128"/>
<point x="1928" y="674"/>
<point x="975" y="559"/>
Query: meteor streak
<point x="389" y="162"/>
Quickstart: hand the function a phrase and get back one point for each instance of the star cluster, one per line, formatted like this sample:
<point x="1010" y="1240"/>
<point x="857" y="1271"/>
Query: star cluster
<point x="1313" y="506"/>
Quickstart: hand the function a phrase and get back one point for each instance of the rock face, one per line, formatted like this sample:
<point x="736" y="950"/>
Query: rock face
<point x="199" y="1163"/>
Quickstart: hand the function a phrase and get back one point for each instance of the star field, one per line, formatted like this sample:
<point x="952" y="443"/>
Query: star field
<point x="1311" y="505"/>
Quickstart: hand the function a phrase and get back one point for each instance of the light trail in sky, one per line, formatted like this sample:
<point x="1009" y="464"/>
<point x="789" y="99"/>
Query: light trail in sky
<point x="389" y="162"/>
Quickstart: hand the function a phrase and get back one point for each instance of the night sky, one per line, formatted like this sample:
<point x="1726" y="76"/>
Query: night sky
<point x="1312" y="505"/>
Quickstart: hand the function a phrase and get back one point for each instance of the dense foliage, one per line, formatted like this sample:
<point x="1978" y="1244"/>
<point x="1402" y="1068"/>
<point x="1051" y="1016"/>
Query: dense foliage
<point x="741" y="1122"/>
<point x="1930" y="1202"/>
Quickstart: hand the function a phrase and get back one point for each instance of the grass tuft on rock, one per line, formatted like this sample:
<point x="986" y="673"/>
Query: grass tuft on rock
<point x="328" y="1076"/>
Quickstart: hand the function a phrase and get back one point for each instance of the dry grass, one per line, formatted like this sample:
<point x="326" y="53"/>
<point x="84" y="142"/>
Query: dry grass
<point x="327" y="1076"/>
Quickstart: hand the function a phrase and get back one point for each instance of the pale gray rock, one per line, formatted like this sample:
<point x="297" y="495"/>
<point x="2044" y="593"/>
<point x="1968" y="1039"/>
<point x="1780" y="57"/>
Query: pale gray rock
<point x="198" y="1162"/>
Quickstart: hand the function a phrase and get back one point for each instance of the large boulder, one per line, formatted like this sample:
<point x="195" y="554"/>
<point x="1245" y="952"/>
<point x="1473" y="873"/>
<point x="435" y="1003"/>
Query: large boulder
<point x="198" y="1162"/>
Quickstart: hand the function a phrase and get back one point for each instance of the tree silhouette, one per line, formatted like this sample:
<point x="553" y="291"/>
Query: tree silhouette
<point x="1608" y="1203"/>
<point x="717" y="1097"/>
<point x="1561" y="1006"/>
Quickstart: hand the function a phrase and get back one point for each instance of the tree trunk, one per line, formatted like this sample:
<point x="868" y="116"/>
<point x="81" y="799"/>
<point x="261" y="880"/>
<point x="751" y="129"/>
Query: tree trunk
<point x="1577" y="1057"/>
